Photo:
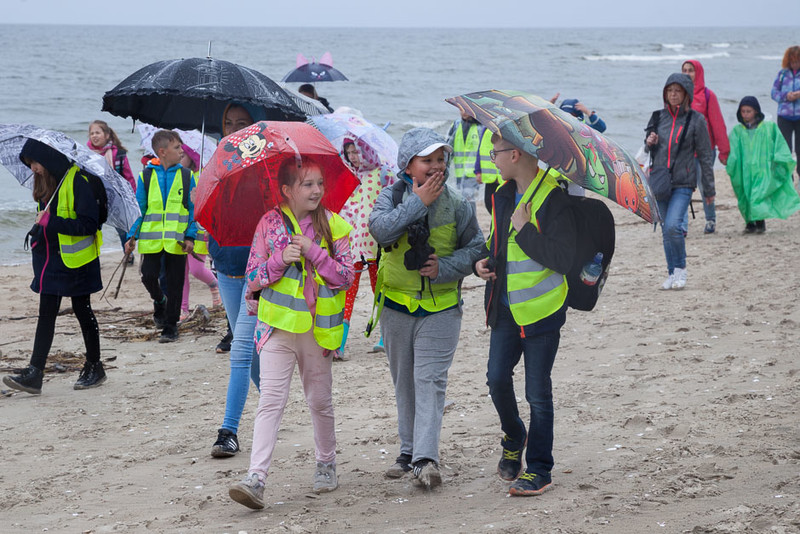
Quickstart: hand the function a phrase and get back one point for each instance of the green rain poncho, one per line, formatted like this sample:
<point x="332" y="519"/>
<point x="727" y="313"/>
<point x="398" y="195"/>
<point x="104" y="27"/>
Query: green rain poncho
<point x="760" y="166"/>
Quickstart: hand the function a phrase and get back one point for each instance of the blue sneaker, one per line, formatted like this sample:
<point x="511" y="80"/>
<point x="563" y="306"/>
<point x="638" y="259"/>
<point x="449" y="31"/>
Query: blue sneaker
<point x="530" y="485"/>
<point x="510" y="465"/>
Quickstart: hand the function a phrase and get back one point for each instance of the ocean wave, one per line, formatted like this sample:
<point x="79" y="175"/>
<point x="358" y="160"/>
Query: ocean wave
<point x="720" y="45"/>
<point x="635" y="57"/>
<point x="771" y="58"/>
<point x="676" y="46"/>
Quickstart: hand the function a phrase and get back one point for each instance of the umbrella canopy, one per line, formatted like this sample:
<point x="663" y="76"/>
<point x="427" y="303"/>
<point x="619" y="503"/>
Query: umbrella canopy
<point x="123" y="210"/>
<point x="192" y="94"/>
<point x="313" y="72"/>
<point x="191" y="138"/>
<point x="240" y="183"/>
<point x="376" y="146"/>
<point x="577" y="151"/>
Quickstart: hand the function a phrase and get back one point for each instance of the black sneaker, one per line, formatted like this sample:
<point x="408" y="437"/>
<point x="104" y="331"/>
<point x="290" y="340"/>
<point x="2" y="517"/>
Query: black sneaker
<point x="426" y="474"/>
<point x="510" y="465"/>
<point x="92" y="376"/>
<point x="169" y="334"/>
<point x="227" y="444"/>
<point x="530" y="485"/>
<point x="761" y="227"/>
<point x="28" y="380"/>
<point x="225" y="343"/>
<point x="402" y="465"/>
<point x="750" y="228"/>
<point x="160" y="313"/>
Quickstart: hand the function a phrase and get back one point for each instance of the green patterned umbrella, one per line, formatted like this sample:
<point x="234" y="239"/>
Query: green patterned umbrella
<point x="574" y="149"/>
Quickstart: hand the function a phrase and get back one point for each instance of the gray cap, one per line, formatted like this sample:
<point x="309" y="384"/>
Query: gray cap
<point x="419" y="142"/>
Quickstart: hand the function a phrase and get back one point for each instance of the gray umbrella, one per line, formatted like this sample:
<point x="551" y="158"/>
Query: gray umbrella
<point x="123" y="210"/>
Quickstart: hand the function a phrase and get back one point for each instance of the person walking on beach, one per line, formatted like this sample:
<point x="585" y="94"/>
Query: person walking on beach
<point x="300" y="264"/>
<point x="431" y="239"/>
<point x="705" y="101"/>
<point x="231" y="264"/>
<point x="674" y="136"/>
<point x="65" y="252"/>
<point x="578" y="109"/>
<point x="166" y="230"/>
<point x="471" y="163"/>
<point x="786" y="92"/>
<point x="531" y="246"/>
<point x="104" y="141"/>
<point x="760" y="167"/>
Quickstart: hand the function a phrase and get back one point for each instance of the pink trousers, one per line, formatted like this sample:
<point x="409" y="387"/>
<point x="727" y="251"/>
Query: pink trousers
<point x="198" y="269"/>
<point x="277" y="358"/>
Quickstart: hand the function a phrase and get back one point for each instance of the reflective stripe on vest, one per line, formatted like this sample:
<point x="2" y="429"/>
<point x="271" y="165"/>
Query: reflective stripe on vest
<point x="282" y="304"/>
<point x="76" y="250"/>
<point x="163" y="226"/>
<point x="534" y="291"/>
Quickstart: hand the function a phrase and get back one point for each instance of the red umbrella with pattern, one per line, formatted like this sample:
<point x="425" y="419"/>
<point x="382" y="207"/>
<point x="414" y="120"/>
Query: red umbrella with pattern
<point x="240" y="183"/>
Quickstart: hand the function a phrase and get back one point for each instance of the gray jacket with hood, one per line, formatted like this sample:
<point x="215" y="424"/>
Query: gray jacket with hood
<point x="696" y="141"/>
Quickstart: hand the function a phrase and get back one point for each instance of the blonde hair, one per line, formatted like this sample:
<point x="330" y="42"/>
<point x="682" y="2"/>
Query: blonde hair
<point x="288" y="174"/>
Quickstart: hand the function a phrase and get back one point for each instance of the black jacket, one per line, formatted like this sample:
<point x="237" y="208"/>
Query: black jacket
<point x="554" y="248"/>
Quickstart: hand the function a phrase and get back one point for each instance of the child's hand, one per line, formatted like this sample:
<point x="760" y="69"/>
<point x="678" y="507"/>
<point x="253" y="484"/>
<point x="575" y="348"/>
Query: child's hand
<point x="521" y="216"/>
<point x="431" y="267"/>
<point x="42" y="218"/>
<point x="130" y="246"/>
<point x="482" y="268"/>
<point x="430" y="191"/>
<point x="291" y="254"/>
<point x="303" y="242"/>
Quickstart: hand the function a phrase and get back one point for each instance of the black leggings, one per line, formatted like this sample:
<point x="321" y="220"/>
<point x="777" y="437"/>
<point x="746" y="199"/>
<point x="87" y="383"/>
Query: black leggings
<point x="46" y="328"/>
<point x="788" y="128"/>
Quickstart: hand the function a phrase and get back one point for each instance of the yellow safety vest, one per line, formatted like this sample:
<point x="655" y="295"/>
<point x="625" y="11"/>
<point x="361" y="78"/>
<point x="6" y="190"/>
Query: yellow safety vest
<point x="163" y="228"/>
<point x="408" y="288"/>
<point x="282" y="304"/>
<point x="534" y="291"/>
<point x="76" y="250"/>
<point x="201" y="239"/>
<point x="466" y="152"/>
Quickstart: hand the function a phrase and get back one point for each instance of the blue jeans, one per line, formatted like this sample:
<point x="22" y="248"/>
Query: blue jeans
<point x="505" y="349"/>
<point x="244" y="361"/>
<point x="673" y="212"/>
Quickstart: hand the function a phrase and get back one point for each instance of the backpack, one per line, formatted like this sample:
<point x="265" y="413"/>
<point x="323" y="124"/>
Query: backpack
<point x="594" y="226"/>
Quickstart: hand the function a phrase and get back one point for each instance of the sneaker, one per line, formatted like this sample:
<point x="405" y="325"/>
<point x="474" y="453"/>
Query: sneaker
<point x="249" y="492"/>
<point x="227" y="444"/>
<point x="426" y="474"/>
<point x="530" y="485"/>
<point x="378" y="347"/>
<point x="169" y="334"/>
<point x="510" y="465"/>
<point x="679" y="278"/>
<point x="225" y="343"/>
<point x="28" y="380"/>
<point x="668" y="282"/>
<point x="761" y="227"/>
<point x="130" y="260"/>
<point x="185" y="314"/>
<point x="711" y="226"/>
<point x="402" y="465"/>
<point x="160" y="313"/>
<point x="750" y="228"/>
<point x="216" y="300"/>
<point x="92" y="376"/>
<point x="325" y="479"/>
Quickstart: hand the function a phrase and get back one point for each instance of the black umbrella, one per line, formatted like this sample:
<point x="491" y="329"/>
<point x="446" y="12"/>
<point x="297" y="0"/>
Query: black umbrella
<point x="314" y="72"/>
<point x="192" y="94"/>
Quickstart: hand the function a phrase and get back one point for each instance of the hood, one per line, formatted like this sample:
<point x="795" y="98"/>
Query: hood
<point x="753" y="103"/>
<point x="419" y="142"/>
<point x="681" y="79"/>
<point x="51" y="159"/>
<point x="568" y="105"/>
<point x="699" y="75"/>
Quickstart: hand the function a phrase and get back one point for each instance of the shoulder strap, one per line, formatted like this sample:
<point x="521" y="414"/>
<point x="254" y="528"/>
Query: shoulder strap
<point x="186" y="176"/>
<point x="147" y="174"/>
<point x="398" y="188"/>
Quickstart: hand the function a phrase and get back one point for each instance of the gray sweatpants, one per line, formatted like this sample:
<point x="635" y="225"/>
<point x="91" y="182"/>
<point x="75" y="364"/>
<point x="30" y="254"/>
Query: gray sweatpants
<point x="420" y="352"/>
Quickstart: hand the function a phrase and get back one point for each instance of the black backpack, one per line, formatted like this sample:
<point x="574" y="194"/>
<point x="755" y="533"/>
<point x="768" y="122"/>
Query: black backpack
<point x="594" y="226"/>
<point x="100" y="196"/>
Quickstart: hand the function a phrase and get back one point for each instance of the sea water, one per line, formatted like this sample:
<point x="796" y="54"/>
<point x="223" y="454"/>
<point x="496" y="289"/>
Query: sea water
<point x="55" y="76"/>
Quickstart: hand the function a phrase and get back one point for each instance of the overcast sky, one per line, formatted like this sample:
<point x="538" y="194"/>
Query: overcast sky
<point x="408" y="13"/>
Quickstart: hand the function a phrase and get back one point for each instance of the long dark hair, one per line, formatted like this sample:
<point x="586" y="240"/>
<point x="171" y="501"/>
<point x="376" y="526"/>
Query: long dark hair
<point x="44" y="185"/>
<point x="288" y="174"/>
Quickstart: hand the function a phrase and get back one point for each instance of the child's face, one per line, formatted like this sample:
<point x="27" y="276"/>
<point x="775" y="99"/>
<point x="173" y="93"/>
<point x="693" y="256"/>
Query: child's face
<point x="171" y="154"/>
<point x="748" y="114"/>
<point x="97" y="136"/>
<point x="305" y="194"/>
<point x="187" y="162"/>
<point x="352" y="155"/>
<point x="688" y="69"/>
<point x="423" y="167"/>
<point x="236" y="119"/>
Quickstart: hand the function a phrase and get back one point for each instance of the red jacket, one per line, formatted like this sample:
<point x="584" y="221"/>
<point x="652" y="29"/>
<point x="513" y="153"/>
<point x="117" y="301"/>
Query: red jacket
<point x="705" y="101"/>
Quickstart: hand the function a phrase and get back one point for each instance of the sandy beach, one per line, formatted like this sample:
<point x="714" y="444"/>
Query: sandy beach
<point x="676" y="411"/>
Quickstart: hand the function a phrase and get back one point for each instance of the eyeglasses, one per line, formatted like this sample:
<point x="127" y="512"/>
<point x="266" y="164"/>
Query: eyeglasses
<point x="493" y="153"/>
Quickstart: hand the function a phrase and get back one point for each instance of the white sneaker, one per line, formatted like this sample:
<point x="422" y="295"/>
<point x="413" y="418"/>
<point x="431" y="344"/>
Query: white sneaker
<point x="679" y="278"/>
<point x="249" y="492"/>
<point x="325" y="479"/>
<point x="668" y="282"/>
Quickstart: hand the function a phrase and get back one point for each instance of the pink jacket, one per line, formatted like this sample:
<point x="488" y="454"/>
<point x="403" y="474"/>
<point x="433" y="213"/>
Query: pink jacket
<point x="122" y="167"/>
<point x="265" y="265"/>
<point x="705" y="101"/>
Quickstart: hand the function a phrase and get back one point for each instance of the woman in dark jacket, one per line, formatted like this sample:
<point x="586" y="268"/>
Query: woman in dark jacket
<point x="52" y="278"/>
<point x="673" y="136"/>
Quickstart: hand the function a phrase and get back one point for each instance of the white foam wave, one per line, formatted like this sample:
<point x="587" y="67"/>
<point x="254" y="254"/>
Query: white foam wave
<point x="720" y="45"/>
<point x="771" y="58"/>
<point x="635" y="57"/>
<point x="676" y="46"/>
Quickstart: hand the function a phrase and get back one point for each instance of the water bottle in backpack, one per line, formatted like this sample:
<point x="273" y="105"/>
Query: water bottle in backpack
<point x="592" y="270"/>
